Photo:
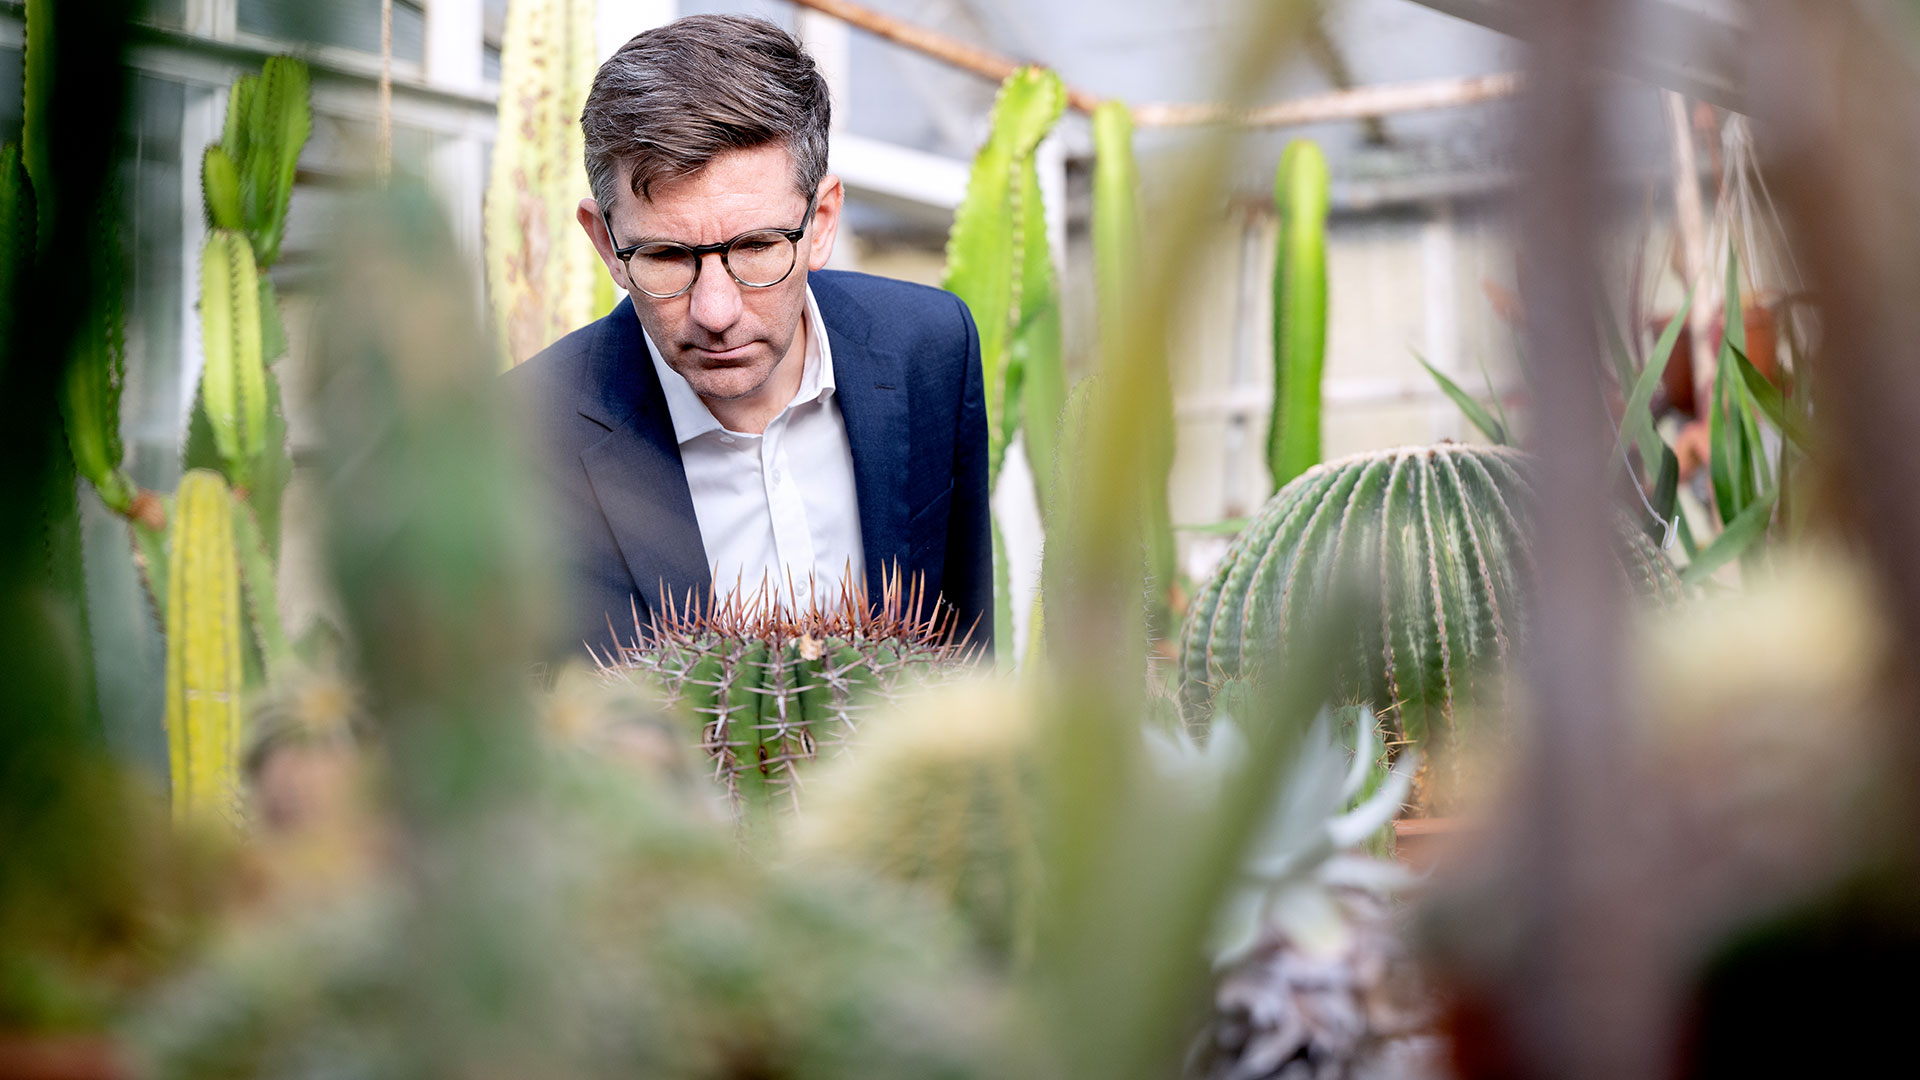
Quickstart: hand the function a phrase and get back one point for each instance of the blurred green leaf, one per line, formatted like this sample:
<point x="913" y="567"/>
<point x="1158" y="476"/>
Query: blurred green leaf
<point x="1229" y="527"/>
<point x="1474" y="412"/>
<point x="1636" y="421"/>
<point x="1733" y="542"/>
<point x="1772" y="403"/>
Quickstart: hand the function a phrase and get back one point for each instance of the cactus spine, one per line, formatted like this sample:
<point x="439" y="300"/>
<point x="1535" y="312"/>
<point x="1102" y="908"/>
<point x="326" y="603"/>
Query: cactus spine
<point x="543" y="281"/>
<point x="1301" y="193"/>
<point x="1439" y="528"/>
<point x="942" y="795"/>
<point x="770" y="688"/>
<point x="203" y="652"/>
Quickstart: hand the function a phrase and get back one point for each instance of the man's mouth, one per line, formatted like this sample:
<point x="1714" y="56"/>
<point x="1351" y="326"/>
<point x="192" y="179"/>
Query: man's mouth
<point x="721" y="356"/>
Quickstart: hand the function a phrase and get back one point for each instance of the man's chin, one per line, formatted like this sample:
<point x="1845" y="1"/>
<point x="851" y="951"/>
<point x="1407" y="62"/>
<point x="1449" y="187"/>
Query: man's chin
<point x="727" y="383"/>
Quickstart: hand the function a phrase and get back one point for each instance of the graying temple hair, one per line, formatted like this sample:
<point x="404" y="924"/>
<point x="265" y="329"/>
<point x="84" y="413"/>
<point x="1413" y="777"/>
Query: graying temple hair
<point x="676" y="97"/>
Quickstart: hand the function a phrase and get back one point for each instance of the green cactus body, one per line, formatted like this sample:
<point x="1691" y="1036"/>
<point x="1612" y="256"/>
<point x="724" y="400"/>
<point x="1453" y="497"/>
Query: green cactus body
<point x="942" y="795"/>
<point x="542" y="280"/>
<point x="1441" y="530"/>
<point x="1301" y="193"/>
<point x="278" y="121"/>
<point x="203" y="652"/>
<point x="992" y="261"/>
<point x="233" y="387"/>
<point x="220" y="190"/>
<point x="770" y="691"/>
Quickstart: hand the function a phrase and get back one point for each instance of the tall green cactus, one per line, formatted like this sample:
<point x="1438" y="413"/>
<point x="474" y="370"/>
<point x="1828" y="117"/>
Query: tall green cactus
<point x="997" y="261"/>
<point x="233" y="385"/>
<point x="543" y="282"/>
<point x="1439" y="528"/>
<point x="1301" y="193"/>
<point x="1116" y="261"/>
<point x="204" y="681"/>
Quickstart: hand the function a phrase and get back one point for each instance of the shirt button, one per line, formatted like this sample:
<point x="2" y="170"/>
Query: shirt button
<point x="776" y="476"/>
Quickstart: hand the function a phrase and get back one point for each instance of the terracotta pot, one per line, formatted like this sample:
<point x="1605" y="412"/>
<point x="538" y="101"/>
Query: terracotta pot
<point x="1422" y="842"/>
<point x="60" y="1057"/>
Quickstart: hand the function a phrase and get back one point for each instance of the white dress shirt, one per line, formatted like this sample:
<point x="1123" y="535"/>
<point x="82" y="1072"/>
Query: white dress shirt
<point x="778" y="507"/>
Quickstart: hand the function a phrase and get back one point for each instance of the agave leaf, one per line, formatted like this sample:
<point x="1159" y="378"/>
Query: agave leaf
<point x="1471" y="409"/>
<point x="1636" y="422"/>
<point x="1767" y="397"/>
<point x="1733" y="542"/>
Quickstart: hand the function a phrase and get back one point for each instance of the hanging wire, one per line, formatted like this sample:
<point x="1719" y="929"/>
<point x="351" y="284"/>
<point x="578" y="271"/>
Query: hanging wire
<point x="383" y="150"/>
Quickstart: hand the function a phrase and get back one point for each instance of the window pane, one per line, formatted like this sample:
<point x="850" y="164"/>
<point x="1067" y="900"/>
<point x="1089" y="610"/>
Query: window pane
<point x="352" y="24"/>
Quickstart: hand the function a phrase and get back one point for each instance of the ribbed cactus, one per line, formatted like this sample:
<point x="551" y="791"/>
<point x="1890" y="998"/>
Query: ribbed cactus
<point x="770" y="687"/>
<point x="942" y="795"/>
<point x="233" y="385"/>
<point x="997" y="262"/>
<point x="1301" y="194"/>
<point x="204" y="631"/>
<point x="1441" y="531"/>
<point x="248" y="183"/>
<point x="543" y="281"/>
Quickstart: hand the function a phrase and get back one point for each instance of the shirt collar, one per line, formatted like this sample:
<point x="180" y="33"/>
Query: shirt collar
<point x="692" y="418"/>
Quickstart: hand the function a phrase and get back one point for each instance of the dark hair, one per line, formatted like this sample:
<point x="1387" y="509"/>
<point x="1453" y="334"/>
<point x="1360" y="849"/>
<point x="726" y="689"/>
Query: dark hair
<point x="676" y="97"/>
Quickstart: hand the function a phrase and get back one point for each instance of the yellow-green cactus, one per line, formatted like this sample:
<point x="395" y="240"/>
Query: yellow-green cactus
<point x="1301" y="192"/>
<point x="204" y="631"/>
<point x="943" y="795"/>
<point x="233" y="385"/>
<point x="544" y="280"/>
<point x="997" y="261"/>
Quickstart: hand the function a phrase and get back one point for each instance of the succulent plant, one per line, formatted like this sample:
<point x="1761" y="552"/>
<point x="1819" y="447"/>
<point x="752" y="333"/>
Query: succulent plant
<point x="1313" y="982"/>
<point x="204" y="679"/>
<point x="942" y="795"/>
<point x="770" y="685"/>
<point x="233" y="385"/>
<point x="1441" y="530"/>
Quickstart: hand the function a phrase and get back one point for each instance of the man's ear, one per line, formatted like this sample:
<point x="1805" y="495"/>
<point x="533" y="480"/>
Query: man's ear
<point x="826" y="222"/>
<point x="588" y="215"/>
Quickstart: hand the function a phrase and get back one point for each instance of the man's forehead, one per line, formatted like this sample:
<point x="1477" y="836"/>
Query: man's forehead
<point x="754" y="181"/>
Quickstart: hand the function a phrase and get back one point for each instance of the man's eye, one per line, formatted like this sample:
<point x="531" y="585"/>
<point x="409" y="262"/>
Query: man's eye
<point x="662" y="254"/>
<point x="752" y="247"/>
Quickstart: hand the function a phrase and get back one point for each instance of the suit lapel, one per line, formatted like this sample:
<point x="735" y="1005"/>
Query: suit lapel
<point x="635" y="471"/>
<point x="872" y="387"/>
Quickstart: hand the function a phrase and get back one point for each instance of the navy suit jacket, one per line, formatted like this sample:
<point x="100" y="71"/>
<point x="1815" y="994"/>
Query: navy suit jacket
<point x="906" y="362"/>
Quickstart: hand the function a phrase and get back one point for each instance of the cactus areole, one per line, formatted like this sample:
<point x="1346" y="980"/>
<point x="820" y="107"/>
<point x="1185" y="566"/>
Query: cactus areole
<point x="1437" y="539"/>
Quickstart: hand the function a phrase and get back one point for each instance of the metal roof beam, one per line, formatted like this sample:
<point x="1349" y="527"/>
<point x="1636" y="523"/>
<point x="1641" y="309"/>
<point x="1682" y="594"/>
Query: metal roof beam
<point x="1681" y="45"/>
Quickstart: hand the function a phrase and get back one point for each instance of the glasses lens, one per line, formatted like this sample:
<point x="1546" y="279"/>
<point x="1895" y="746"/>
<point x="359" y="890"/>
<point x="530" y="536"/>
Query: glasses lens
<point x="760" y="258"/>
<point x="662" y="269"/>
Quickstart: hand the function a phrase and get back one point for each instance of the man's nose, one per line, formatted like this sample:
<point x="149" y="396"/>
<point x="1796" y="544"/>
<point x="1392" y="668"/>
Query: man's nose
<point x="715" y="299"/>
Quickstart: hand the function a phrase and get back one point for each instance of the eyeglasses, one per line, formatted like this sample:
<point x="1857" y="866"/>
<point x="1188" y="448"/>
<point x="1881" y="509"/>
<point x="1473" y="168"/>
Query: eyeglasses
<point x="758" y="259"/>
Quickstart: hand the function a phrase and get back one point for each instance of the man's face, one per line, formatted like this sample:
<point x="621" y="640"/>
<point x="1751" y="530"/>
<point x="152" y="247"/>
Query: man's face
<point x="724" y="338"/>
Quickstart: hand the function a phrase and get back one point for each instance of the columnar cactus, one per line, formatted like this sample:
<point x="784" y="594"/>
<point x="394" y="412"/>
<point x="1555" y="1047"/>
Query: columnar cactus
<point x="1301" y="194"/>
<point x="233" y="385"/>
<point x="770" y="687"/>
<point x="204" y="679"/>
<point x="1439" y="528"/>
<point x="543" y="280"/>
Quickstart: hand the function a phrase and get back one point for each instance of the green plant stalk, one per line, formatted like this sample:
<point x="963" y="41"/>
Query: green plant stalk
<point x="90" y="395"/>
<point x="262" y="594"/>
<point x="1116" y="263"/>
<point x="1302" y="192"/>
<point x="987" y="249"/>
<point x="204" y="677"/>
<point x="1036" y="352"/>
<point x="220" y="191"/>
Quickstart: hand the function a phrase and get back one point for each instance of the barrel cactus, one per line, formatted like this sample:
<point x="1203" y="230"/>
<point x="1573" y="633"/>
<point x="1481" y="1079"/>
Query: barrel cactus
<point x="771" y="685"/>
<point x="1439" y="528"/>
<point x="943" y="796"/>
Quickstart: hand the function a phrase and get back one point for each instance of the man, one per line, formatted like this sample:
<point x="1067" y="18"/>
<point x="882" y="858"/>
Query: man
<point x="746" y="417"/>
